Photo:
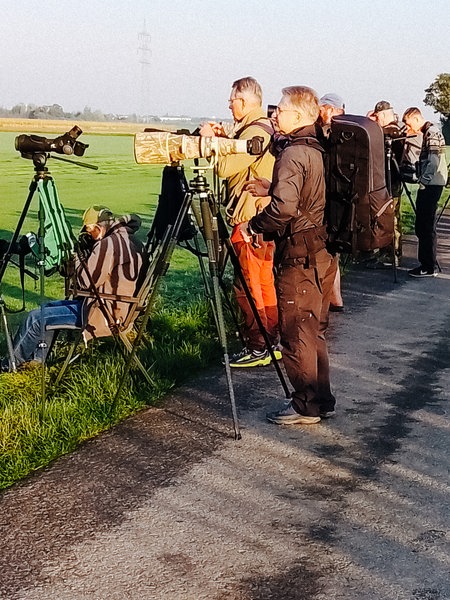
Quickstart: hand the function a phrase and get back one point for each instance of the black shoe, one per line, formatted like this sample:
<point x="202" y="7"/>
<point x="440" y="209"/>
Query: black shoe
<point x="327" y="414"/>
<point x="421" y="272"/>
<point x="378" y="264"/>
<point x="336" y="308"/>
<point x="4" y="365"/>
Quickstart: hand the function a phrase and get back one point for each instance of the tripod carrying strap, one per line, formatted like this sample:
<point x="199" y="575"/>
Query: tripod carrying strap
<point x="58" y="235"/>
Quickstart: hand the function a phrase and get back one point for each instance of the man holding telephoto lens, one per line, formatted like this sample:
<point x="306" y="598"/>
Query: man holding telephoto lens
<point x="256" y="259"/>
<point x="305" y="270"/>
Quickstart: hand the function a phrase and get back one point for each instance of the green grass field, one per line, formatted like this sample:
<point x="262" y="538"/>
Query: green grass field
<point x="181" y="337"/>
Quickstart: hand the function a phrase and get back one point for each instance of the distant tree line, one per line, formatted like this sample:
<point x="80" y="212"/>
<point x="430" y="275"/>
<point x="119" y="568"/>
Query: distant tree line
<point x="55" y="111"/>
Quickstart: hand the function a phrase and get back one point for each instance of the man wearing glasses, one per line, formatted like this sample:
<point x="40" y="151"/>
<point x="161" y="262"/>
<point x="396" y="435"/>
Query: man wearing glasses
<point x="305" y="270"/>
<point x="256" y="260"/>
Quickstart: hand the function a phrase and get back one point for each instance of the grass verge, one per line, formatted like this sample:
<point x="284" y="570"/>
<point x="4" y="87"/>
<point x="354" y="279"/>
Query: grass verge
<point x="33" y="433"/>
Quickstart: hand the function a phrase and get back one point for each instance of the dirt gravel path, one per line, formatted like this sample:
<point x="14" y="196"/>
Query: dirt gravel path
<point x="168" y="506"/>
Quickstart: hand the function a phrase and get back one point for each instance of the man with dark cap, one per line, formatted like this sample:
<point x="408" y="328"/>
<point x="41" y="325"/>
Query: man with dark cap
<point x="114" y="261"/>
<point x="332" y="105"/>
<point x="386" y="118"/>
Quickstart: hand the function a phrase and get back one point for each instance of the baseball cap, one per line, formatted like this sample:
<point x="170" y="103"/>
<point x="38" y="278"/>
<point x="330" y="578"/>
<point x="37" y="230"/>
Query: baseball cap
<point x="332" y="100"/>
<point x="96" y="214"/>
<point x="382" y="105"/>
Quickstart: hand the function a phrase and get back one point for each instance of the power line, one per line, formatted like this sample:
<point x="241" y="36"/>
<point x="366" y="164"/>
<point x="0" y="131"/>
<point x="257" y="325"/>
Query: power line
<point x="144" y="54"/>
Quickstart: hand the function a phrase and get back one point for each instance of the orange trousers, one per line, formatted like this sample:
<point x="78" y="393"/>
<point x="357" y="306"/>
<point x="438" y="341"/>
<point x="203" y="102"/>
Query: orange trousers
<point x="257" y="269"/>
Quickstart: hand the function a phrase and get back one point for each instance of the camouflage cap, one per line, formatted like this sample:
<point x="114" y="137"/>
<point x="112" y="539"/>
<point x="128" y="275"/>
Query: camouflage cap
<point x="97" y="214"/>
<point x="382" y="105"/>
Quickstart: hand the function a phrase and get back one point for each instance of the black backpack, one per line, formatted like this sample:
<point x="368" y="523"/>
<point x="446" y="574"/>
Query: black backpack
<point x="174" y="187"/>
<point x="359" y="211"/>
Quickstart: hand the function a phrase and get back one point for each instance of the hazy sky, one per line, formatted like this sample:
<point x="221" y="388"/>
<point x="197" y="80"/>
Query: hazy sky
<point x="79" y="53"/>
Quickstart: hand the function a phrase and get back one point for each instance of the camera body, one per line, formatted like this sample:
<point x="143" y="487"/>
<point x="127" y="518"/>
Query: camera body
<point x="394" y="131"/>
<point x="25" y="245"/>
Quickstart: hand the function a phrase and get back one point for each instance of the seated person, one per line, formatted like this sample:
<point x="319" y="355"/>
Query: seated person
<point x="114" y="263"/>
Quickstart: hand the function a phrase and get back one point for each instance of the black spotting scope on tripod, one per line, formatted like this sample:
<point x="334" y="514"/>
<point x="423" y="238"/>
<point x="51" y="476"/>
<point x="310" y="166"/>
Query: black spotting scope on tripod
<point x="39" y="149"/>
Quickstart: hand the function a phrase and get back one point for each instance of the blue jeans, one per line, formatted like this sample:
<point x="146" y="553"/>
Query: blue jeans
<point x="27" y="340"/>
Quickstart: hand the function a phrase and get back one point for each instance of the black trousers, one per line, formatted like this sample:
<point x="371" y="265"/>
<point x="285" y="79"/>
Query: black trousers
<point x="426" y="206"/>
<point x="303" y="303"/>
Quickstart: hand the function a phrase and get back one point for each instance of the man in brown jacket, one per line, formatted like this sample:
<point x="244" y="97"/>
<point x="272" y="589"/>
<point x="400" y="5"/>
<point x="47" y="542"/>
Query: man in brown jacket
<point x="305" y="270"/>
<point x="114" y="262"/>
<point x="256" y="260"/>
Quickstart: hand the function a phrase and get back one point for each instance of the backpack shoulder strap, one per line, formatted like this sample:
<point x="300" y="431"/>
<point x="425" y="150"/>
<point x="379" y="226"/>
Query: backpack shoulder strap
<point x="310" y="141"/>
<point x="265" y="125"/>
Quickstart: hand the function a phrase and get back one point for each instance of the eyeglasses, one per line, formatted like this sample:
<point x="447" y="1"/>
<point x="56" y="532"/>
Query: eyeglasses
<point x="279" y="110"/>
<point x="231" y="100"/>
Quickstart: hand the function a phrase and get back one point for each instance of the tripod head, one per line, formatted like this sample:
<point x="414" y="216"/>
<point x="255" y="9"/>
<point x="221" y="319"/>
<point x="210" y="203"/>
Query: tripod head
<point x="199" y="184"/>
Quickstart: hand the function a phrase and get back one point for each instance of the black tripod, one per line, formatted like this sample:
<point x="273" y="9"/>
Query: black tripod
<point x="175" y="227"/>
<point x="390" y="158"/>
<point x="43" y="182"/>
<point x="214" y="230"/>
<point x="41" y="173"/>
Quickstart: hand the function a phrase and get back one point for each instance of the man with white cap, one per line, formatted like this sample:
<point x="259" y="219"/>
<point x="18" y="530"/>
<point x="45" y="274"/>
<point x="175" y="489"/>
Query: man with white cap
<point x="330" y="106"/>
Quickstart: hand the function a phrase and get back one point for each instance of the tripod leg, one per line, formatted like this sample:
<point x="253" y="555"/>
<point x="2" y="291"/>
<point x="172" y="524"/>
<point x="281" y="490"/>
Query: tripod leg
<point x="411" y="201"/>
<point x="443" y="209"/>
<point x="437" y="221"/>
<point x="235" y="262"/>
<point x="223" y="340"/>
<point x="231" y="310"/>
<point x="12" y="358"/>
<point x="209" y="236"/>
<point x="160" y="266"/>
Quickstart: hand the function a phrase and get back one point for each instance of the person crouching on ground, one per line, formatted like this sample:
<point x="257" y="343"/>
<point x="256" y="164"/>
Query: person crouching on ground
<point x="114" y="263"/>
<point x="305" y="271"/>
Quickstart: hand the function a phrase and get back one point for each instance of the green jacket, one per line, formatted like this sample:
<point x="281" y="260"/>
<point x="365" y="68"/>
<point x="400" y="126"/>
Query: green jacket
<point x="240" y="168"/>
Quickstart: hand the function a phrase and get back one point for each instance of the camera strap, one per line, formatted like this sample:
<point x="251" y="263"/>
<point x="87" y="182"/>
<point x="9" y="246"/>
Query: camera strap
<point x="268" y="128"/>
<point x="264" y="125"/>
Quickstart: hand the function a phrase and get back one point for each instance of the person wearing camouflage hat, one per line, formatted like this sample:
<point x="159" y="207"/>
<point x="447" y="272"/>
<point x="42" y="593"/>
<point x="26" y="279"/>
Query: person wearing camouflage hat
<point x="111" y="263"/>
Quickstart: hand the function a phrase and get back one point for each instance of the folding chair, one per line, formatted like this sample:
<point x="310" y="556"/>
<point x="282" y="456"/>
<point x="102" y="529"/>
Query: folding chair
<point x="137" y="306"/>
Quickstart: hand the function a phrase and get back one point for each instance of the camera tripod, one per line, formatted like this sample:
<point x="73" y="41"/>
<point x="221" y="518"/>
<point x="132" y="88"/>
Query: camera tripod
<point x="41" y="174"/>
<point x="166" y="233"/>
<point x="49" y="204"/>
